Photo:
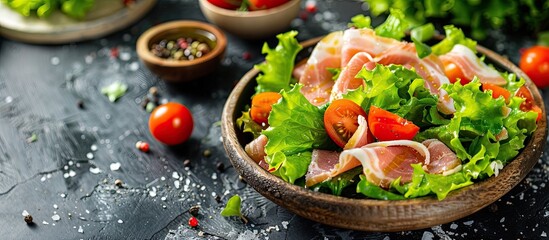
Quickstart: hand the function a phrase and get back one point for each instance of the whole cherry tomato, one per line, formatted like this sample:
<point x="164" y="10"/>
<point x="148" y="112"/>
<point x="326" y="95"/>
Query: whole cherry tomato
<point x="454" y="73"/>
<point x="265" y="4"/>
<point x="341" y="120"/>
<point x="171" y="123"/>
<point x="227" y="4"/>
<point x="535" y="63"/>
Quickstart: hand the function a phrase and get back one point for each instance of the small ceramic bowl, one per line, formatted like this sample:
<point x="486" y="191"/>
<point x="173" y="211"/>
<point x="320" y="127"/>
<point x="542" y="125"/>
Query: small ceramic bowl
<point x="252" y="24"/>
<point x="182" y="70"/>
<point x="371" y="214"/>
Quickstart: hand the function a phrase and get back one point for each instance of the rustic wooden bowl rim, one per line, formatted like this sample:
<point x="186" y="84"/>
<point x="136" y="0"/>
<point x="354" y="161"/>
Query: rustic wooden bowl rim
<point x="380" y="215"/>
<point x="146" y="55"/>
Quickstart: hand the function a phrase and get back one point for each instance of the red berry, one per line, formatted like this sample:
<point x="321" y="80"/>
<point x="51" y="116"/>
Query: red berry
<point x="114" y="52"/>
<point x="142" y="146"/>
<point x="193" y="222"/>
<point x="246" y="55"/>
<point x="310" y="7"/>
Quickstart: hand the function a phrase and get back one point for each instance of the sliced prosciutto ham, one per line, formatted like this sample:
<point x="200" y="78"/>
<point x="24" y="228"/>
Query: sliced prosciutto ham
<point x="256" y="148"/>
<point x="364" y="40"/>
<point x="429" y="68"/>
<point x="443" y="160"/>
<point x="470" y="65"/>
<point x="346" y="80"/>
<point x="327" y="164"/>
<point x="384" y="162"/>
<point x="316" y="78"/>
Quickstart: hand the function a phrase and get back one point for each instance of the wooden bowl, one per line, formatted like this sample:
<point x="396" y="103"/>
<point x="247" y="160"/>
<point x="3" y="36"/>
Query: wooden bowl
<point x="369" y="214"/>
<point x="182" y="70"/>
<point x="252" y="24"/>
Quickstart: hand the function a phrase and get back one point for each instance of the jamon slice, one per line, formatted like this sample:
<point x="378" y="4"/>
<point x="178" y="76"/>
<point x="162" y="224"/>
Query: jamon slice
<point x="471" y="66"/>
<point x="364" y="40"/>
<point x="327" y="164"/>
<point x="443" y="160"/>
<point x="429" y="68"/>
<point x="384" y="162"/>
<point x="346" y="80"/>
<point x="316" y="78"/>
<point x="256" y="148"/>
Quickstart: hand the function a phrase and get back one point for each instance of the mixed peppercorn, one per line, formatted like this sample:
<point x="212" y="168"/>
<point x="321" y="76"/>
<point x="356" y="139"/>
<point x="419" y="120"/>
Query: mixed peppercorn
<point x="180" y="49"/>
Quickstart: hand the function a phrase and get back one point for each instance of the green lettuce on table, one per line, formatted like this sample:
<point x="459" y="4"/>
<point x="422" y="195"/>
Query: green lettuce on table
<point x="43" y="8"/>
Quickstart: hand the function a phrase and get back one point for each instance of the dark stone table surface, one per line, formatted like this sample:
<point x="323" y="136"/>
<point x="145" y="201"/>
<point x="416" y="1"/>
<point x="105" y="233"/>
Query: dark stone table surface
<point x="65" y="179"/>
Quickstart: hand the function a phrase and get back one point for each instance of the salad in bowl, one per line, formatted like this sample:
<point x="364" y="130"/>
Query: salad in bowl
<point x="369" y="128"/>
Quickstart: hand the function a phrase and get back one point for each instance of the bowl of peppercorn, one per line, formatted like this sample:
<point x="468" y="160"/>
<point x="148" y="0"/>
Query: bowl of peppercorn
<point x="182" y="51"/>
<point x="251" y="19"/>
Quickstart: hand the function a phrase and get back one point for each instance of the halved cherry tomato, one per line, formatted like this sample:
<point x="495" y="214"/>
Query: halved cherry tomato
<point x="341" y="120"/>
<point x="171" y="123"/>
<point x="528" y="104"/>
<point x="265" y="4"/>
<point x="227" y="4"/>
<point x="535" y="63"/>
<point x="262" y="103"/>
<point x="497" y="91"/>
<point x="387" y="126"/>
<point x="453" y="72"/>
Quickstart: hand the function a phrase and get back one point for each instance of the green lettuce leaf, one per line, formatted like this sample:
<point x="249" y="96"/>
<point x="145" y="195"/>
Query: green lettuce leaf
<point x="295" y="114"/>
<point x="340" y="182"/>
<point x="396" y="89"/>
<point x="276" y="71"/>
<point x="246" y="123"/>
<point x="361" y="21"/>
<point x="371" y="190"/>
<point x="424" y="184"/>
<point x="395" y="26"/>
<point x="453" y="36"/>
<point x="76" y="8"/>
<point x="289" y="167"/>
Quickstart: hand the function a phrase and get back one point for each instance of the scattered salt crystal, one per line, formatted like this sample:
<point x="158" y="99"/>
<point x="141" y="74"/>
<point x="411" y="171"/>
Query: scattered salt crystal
<point x="214" y="176"/>
<point x="186" y="188"/>
<point x="134" y="66"/>
<point x="48" y="175"/>
<point x="55" y="217"/>
<point x="176" y="184"/>
<point x="55" y="206"/>
<point x="152" y="193"/>
<point x="89" y="155"/>
<point x="468" y="223"/>
<point x="543" y="234"/>
<point x="71" y="163"/>
<point x="88" y="59"/>
<point x="80" y="229"/>
<point x="163" y="198"/>
<point x="9" y="99"/>
<point x="63" y="195"/>
<point x="43" y="179"/>
<point x="54" y="61"/>
<point x="66" y="175"/>
<point x="72" y="173"/>
<point x="25" y="213"/>
<point x="65" y="167"/>
<point x="45" y="223"/>
<point x="175" y="175"/>
<point x="125" y="56"/>
<point x="120" y="221"/>
<point x="115" y="166"/>
<point x="427" y="236"/>
<point x="163" y="178"/>
<point x="285" y="224"/>
<point x="203" y="188"/>
<point x="453" y="226"/>
<point x="95" y="170"/>
<point x="502" y="220"/>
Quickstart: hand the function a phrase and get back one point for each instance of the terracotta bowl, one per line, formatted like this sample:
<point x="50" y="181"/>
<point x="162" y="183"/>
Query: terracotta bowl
<point x="252" y="24"/>
<point x="368" y="214"/>
<point x="182" y="70"/>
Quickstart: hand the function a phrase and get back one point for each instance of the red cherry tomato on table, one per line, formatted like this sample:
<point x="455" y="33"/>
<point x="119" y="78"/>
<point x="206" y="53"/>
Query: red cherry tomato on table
<point x="265" y="4"/>
<point x="171" y="123"/>
<point x="535" y="63"/>
<point x="387" y="126"/>
<point x="262" y="103"/>
<point x="227" y="4"/>
<point x="454" y="73"/>
<point x="341" y="120"/>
